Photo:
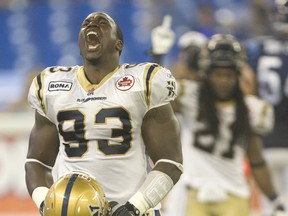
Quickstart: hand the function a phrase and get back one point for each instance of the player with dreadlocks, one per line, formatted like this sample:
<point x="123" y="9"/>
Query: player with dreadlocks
<point x="225" y="126"/>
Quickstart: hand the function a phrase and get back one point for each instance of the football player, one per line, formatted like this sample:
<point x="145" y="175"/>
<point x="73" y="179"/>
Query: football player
<point x="269" y="57"/>
<point x="225" y="126"/>
<point x="106" y="119"/>
<point x="186" y="65"/>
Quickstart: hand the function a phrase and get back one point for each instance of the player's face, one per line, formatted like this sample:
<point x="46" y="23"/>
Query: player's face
<point x="97" y="36"/>
<point x="223" y="82"/>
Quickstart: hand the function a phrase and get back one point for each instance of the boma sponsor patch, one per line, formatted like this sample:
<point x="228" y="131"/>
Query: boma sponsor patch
<point x="59" y="86"/>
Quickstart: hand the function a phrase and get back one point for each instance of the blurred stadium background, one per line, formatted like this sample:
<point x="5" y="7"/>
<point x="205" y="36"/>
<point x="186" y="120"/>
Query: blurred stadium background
<point x="35" y="34"/>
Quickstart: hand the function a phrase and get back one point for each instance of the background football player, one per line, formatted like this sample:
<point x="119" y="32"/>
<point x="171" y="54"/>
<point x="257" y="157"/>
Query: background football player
<point x="225" y="126"/>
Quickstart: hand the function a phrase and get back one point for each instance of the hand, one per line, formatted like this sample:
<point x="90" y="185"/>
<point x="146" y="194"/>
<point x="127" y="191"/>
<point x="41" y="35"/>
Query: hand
<point x="279" y="209"/>
<point x="279" y="213"/>
<point x="163" y="37"/>
<point x="115" y="209"/>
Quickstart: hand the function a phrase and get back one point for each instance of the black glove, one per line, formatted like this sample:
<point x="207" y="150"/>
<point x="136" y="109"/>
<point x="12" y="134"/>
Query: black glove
<point x="278" y="207"/>
<point x="115" y="209"/>
<point x="41" y="209"/>
<point x="279" y="211"/>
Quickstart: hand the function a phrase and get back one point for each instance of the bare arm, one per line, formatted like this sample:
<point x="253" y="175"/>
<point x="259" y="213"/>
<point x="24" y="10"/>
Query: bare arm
<point x="43" y="147"/>
<point x="160" y="131"/>
<point x="259" y="168"/>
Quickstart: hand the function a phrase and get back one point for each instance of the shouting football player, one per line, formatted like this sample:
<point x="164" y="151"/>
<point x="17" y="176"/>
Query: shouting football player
<point x="106" y="119"/>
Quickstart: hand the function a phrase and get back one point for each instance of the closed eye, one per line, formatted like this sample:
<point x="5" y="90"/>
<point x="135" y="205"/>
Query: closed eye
<point x="102" y="21"/>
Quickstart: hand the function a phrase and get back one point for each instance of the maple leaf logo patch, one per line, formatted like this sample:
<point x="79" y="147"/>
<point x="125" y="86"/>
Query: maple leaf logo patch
<point x="125" y="83"/>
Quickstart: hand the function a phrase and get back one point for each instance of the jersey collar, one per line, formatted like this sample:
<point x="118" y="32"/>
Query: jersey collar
<point x="84" y="82"/>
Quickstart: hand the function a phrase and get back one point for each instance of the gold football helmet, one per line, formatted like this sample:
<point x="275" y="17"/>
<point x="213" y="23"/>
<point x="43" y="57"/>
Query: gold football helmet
<point x="76" y="194"/>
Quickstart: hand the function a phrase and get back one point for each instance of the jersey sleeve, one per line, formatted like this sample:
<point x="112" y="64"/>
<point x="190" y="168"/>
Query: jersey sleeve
<point x="159" y="86"/>
<point x="261" y="115"/>
<point x="36" y="94"/>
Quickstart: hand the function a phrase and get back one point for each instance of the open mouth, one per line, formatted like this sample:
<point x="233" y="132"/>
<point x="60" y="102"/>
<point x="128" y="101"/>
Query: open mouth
<point x="92" y="40"/>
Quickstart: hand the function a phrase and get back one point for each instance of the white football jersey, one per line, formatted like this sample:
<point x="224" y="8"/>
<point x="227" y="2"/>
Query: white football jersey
<point x="100" y="125"/>
<point x="220" y="165"/>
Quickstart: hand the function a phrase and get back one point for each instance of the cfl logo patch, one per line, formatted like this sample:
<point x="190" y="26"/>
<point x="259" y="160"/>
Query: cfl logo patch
<point x="171" y="86"/>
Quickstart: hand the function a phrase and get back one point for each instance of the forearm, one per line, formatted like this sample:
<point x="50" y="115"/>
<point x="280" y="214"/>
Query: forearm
<point x="165" y="152"/>
<point x="171" y="168"/>
<point x="262" y="177"/>
<point x="37" y="177"/>
<point x="157" y="185"/>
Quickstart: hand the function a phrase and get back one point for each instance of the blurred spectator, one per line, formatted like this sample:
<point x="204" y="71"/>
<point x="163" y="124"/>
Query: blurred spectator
<point x="4" y="3"/>
<point x="205" y="22"/>
<point x="260" y="18"/>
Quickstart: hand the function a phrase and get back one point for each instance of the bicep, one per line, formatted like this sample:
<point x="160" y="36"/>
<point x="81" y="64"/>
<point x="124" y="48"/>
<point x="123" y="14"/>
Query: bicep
<point x="43" y="141"/>
<point x="161" y="134"/>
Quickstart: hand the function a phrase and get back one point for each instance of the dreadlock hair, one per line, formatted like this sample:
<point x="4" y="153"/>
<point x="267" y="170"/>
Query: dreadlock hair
<point x="222" y="51"/>
<point x="208" y="112"/>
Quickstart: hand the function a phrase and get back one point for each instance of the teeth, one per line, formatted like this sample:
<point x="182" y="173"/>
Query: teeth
<point x="92" y="39"/>
<point x="92" y="33"/>
<point x="92" y="46"/>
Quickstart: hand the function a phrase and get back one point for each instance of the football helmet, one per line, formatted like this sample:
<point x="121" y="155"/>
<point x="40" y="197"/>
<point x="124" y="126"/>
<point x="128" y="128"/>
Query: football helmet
<point x="75" y="194"/>
<point x="192" y="38"/>
<point x="190" y="44"/>
<point x="222" y="50"/>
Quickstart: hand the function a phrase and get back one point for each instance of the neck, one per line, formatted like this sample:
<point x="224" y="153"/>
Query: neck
<point x="96" y="72"/>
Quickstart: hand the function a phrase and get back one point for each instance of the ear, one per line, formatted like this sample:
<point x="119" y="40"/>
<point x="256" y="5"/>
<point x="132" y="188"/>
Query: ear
<point x="119" y="45"/>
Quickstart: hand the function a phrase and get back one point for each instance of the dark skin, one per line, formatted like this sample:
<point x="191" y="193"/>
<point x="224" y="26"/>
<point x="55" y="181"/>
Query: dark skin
<point x="99" y="60"/>
<point x="223" y="82"/>
<point x="261" y="173"/>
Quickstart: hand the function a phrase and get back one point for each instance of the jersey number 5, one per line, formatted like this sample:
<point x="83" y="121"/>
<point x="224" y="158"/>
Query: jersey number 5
<point x="271" y="87"/>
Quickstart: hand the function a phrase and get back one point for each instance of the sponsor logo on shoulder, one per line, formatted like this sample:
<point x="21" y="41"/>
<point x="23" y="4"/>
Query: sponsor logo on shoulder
<point x="59" y="86"/>
<point x="125" y="83"/>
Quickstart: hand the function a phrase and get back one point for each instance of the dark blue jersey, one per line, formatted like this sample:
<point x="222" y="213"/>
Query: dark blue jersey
<point x="268" y="56"/>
